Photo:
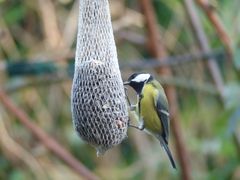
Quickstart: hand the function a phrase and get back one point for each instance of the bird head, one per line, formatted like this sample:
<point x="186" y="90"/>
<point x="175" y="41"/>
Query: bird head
<point x="138" y="80"/>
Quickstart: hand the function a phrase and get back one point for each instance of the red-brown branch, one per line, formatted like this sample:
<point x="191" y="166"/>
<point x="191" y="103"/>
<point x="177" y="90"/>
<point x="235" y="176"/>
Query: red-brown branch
<point x="204" y="45"/>
<point x="158" y="51"/>
<point x="217" y="24"/>
<point x="47" y="140"/>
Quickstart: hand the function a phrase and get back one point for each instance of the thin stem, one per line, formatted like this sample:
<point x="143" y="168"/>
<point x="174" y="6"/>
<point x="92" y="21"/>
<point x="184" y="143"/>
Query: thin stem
<point x="204" y="45"/>
<point x="159" y="52"/>
<point x="217" y="24"/>
<point x="47" y="140"/>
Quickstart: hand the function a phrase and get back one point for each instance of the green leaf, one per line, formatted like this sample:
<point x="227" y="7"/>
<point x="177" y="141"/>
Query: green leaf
<point x="17" y="175"/>
<point x="15" y="14"/>
<point x="232" y="94"/>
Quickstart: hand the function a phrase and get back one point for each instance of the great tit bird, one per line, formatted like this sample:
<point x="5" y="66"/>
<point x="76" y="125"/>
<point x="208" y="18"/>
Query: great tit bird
<point x="152" y="107"/>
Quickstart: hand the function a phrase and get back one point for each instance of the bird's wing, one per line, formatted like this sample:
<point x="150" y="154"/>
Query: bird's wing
<point x="163" y="114"/>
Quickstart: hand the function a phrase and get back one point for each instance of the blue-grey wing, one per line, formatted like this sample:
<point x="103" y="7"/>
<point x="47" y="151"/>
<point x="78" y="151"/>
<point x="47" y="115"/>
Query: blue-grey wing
<point x="163" y="114"/>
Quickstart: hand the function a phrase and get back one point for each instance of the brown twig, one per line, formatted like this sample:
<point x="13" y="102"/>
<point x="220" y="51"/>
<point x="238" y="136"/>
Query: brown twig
<point x="204" y="45"/>
<point x="50" y="23"/>
<point x="236" y="141"/>
<point x="158" y="50"/>
<point x="70" y="29"/>
<point x="15" y="151"/>
<point x="217" y="24"/>
<point x="7" y="43"/>
<point x="47" y="140"/>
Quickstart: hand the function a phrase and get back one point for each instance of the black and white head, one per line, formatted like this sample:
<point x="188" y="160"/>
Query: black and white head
<point x="138" y="80"/>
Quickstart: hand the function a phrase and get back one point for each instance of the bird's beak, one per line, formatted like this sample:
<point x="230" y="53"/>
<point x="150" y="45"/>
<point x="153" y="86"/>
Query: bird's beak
<point x="126" y="83"/>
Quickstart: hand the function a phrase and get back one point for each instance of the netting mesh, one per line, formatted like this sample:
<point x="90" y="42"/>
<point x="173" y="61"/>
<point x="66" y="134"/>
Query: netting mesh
<point x="99" y="107"/>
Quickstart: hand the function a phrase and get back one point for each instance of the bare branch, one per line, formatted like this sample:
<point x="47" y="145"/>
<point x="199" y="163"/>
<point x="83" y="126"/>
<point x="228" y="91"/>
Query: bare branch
<point x="158" y="51"/>
<point x="47" y="140"/>
<point x="217" y="24"/>
<point x="204" y="45"/>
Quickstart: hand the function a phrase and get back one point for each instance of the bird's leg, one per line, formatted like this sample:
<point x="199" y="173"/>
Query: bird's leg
<point x="126" y="96"/>
<point x="132" y="107"/>
<point x="141" y="125"/>
<point x="139" y="98"/>
<point x="130" y="125"/>
<point x="136" y="127"/>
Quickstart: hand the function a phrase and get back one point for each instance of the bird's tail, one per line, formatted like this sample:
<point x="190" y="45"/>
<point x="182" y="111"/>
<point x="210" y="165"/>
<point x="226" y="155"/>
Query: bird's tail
<point x="165" y="146"/>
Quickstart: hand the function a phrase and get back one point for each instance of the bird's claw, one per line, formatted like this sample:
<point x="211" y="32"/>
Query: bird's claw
<point x="141" y="125"/>
<point x="133" y="107"/>
<point x="136" y="127"/>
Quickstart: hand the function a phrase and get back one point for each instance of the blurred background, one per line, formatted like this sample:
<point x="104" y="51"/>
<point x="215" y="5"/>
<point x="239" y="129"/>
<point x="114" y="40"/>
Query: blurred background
<point x="191" y="46"/>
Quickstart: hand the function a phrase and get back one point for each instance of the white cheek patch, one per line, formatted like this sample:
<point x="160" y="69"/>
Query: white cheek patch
<point x="141" y="78"/>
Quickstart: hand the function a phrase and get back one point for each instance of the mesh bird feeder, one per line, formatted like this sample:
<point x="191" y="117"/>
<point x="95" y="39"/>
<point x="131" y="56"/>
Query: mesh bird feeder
<point x="99" y="108"/>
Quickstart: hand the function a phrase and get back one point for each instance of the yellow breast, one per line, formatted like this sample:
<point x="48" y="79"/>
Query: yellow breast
<point x="148" y="109"/>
